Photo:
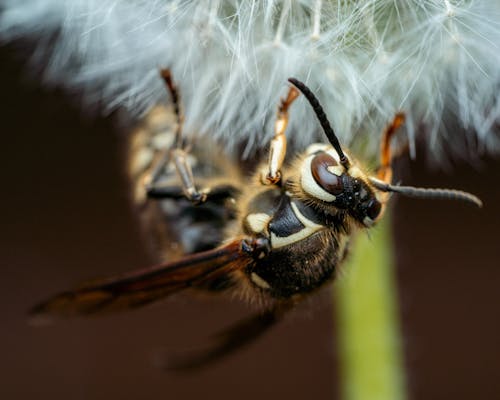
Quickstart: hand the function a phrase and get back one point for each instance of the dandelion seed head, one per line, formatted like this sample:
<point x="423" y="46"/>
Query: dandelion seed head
<point x="435" y="60"/>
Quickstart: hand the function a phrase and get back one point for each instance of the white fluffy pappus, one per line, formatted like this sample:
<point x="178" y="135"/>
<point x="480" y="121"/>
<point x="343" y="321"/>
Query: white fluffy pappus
<point x="438" y="61"/>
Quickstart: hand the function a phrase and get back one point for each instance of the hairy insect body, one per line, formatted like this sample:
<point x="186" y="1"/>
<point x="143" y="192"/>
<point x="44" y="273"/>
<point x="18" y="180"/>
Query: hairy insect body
<point x="172" y="225"/>
<point x="306" y="240"/>
<point x="271" y="239"/>
<point x="304" y="246"/>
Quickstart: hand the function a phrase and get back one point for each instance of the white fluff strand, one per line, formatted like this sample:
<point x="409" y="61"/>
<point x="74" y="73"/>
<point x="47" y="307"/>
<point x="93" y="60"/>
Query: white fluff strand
<point x="436" y="60"/>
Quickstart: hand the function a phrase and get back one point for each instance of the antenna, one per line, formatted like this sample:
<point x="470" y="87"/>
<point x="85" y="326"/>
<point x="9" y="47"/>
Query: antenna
<point x="323" y="120"/>
<point x="428" y="193"/>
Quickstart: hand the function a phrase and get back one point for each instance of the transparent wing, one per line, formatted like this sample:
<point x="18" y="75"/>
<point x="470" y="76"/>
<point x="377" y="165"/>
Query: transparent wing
<point x="144" y="286"/>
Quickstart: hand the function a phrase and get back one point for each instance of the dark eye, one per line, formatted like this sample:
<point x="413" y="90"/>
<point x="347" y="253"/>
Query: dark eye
<point x="329" y="181"/>
<point x="373" y="209"/>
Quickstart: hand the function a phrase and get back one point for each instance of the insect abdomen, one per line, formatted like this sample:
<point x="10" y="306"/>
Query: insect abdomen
<point x="299" y="267"/>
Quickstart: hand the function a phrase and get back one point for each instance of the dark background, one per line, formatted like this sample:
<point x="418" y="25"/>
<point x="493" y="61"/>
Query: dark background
<point x="66" y="217"/>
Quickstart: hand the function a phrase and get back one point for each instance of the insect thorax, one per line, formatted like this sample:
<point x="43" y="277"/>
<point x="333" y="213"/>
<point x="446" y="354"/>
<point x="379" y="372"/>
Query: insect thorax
<point x="306" y="245"/>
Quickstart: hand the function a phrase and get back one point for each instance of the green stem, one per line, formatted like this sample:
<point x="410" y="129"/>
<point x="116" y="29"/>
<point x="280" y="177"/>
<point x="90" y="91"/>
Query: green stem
<point x="371" y="361"/>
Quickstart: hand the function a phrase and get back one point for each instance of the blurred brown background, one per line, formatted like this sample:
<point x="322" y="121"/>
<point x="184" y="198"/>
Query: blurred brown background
<point x="66" y="217"/>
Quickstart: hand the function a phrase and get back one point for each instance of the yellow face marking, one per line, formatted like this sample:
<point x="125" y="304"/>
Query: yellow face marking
<point x="309" y="228"/>
<point x="259" y="281"/>
<point x="258" y="222"/>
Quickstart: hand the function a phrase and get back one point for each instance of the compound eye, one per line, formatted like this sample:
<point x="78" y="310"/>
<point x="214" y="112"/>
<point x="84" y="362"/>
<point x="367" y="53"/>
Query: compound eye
<point x="373" y="209"/>
<point x="324" y="169"/>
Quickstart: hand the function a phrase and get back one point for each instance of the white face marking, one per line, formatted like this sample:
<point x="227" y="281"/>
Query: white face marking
<point x="331" y="152"/>
<point x="258" y="222"/>
<point x="310" y="186"/>
<point x="259" y="281"/>
<point x="309" y="228"/>
<point x="313" y="148"/>
<point x="335" y="169"/>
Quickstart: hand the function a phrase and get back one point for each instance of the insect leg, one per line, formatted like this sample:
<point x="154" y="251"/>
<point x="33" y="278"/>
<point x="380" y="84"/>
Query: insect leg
<point x="384" y="172"/>
<point x="235" y="337"/>
<point x="174" y="93"/>
<point x="271" y="175"/>
<point x="215" y="193"/>
<point x="140" y="287"/>
<point x="183" y="168"/>
<point x="177" y="154"/>
<point x="166" y="189"/>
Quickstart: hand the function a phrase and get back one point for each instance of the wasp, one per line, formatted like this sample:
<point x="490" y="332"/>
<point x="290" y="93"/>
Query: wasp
<point x="281" y="234"/>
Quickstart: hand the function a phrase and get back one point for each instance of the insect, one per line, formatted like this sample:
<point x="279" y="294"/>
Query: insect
<point x="285" y="232"/>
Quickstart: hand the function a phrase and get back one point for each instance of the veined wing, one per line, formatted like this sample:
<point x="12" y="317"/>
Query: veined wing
<point x="144" y="286"/>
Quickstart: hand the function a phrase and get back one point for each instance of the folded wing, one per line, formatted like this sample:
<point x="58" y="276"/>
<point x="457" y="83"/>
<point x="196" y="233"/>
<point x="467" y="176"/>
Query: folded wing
<point x="138" y="288"/>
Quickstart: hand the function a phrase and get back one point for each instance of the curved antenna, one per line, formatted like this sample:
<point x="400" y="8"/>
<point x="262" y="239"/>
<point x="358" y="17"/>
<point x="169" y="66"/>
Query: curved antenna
<point x="323" y="120"/>
<point x="427" y="193"/>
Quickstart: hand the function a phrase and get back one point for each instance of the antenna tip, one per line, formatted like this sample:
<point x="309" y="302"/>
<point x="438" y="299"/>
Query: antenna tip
<point x="296" y="82"/>
<point x="478" y="202"/>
